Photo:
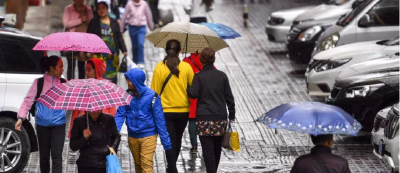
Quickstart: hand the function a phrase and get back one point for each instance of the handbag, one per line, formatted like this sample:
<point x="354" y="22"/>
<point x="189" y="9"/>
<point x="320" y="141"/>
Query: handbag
<point x="231" y="139"/>
<point x="112" y="164"/>
<point x="123" y="67"/>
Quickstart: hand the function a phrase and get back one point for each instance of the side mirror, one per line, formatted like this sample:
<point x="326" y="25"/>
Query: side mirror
<point x="364" y="21"/>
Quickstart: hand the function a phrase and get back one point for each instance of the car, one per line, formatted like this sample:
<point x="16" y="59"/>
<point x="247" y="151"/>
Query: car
<point x="326" y="66"/>
<point x="279" y="23"/>
<point x="371" y="20"/>
<point x="19" y="66"/>
<point x="390" y="145"/>
<point x="377" y="133"/>
<point x="307" y="28"/>
<point x="364" y="95"/>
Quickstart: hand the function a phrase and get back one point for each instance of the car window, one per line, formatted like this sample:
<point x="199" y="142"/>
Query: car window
<point x="346" y="19"/>
<point x="17" y="56"/>
<point x="384" y="13"/>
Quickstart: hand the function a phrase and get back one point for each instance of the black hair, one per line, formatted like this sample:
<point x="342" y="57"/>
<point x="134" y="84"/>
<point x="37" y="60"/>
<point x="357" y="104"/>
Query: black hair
<point x="102" y="2"/>
<point x="91" y="63"/>
<point x="47" y="62"/>
<point x="208" y="3"/>
<point x="172" y="60"/>
<point x="321" y="139"/>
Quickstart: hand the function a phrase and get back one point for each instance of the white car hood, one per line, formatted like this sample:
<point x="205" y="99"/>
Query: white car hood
<point x="324" y="12"/>
<point x="349" y="50"/>
<point x="290" y="14"/>
<point x="380" y="64"/>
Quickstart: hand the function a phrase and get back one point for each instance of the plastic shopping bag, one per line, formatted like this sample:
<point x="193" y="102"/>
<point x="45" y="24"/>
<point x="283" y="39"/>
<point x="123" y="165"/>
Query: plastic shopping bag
<point x="234" y="141"/>
<point x="113" y="165"/>
<point x="121" y="78"/>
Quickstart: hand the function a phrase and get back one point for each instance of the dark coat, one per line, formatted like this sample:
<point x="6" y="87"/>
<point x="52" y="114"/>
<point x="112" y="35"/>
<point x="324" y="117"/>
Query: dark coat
<point x="213" y="91"/>
<point x="94" y="27"/>
<point x="308" y="163"/>
<point x="93" y="152"/>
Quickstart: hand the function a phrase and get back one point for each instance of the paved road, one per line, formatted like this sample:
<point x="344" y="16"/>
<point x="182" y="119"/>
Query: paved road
<point x="261" y="78"/>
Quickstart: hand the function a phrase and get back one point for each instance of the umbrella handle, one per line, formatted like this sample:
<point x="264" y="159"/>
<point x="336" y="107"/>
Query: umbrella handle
<point x="87" y="116"/>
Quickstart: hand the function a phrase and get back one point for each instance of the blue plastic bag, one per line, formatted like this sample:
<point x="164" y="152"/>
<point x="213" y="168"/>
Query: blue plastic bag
<point x="113" y="165"/>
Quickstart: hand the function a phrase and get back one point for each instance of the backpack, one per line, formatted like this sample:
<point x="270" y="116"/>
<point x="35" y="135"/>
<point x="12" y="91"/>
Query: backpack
<point x="40" y="84"/>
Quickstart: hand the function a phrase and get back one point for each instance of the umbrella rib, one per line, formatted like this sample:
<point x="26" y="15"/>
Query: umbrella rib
<point x="207" y="40"/>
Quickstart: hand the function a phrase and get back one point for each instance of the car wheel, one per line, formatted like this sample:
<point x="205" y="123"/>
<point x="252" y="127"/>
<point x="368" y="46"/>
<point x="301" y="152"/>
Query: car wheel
<point x="14" y="147"/>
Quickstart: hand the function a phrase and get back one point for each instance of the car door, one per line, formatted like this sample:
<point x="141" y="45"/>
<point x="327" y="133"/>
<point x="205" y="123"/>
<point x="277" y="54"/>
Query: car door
<point x="383" y="22"/>
<point x="20" y="67"/>
<point x="3" y="85"/>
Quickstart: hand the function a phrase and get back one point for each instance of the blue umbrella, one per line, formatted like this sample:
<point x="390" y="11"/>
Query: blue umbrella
<point x="311" y="117"/>
<point x="222" y="30"/>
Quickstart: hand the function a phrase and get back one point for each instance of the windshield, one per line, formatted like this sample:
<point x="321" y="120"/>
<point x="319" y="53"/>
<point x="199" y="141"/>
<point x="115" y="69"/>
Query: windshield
<point x="348" y="17"/>
<point x="393" y="42"/>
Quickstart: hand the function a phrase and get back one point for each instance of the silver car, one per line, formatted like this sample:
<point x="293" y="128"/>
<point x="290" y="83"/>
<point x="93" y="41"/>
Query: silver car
<point x="279" y="23"/>
<point x="389" y="148"/>
<point x="377" y="134"/>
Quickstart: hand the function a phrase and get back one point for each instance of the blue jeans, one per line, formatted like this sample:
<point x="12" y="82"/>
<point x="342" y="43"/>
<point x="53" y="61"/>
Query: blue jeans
<point x="138" y="34"/>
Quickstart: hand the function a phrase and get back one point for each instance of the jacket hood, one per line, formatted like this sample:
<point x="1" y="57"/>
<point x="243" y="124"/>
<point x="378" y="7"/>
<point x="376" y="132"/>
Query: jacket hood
<point x="196" y="59"/>
<point x="99" y="67"/>
<point x="138" y="3"/>
<point x="137" y="77"/>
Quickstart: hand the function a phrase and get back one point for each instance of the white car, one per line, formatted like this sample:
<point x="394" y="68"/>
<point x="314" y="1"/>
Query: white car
<point x="377" y="134"/>
<point x="325" y="66"/>
<point x="279" y="23"/>
<point x="19" y="66"/>
<point x="390" y="146"/>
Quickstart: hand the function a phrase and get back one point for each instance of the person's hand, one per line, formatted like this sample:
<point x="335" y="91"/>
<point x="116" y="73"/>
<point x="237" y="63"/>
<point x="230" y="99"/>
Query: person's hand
<point x="112" y="150"/>
<point x="18" y="125"/>
<point x="87" y="133"/>
<point x="84" y="18"/>
<point x="125" y="53"/>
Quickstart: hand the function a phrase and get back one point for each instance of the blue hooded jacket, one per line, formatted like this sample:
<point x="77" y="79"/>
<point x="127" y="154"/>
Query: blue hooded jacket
<point x="143" y="118"/>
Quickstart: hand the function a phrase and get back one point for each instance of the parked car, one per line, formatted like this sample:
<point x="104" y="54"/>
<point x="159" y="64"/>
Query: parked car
<point x="364" y="95"/>
<point x="325" y="66"/>
<point x="307" y="27"/>
<point x="279" y="23"/>
<point x="377" y="133"/>
<point x="371" y="20"/>
<point x="390" y="146"/>
<point x="19" y="66"/>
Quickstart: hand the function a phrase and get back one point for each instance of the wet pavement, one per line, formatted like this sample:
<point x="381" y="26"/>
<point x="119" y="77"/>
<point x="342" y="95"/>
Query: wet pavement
<point x="261" y="78"/>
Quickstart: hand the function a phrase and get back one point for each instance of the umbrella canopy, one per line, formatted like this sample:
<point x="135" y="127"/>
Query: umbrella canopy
<point x="193" y="37"/>
<point x="222" y="30"/>
<point x="311" y="117"/>
<point x="73" y="41"/>
<point x="86" y="95"/>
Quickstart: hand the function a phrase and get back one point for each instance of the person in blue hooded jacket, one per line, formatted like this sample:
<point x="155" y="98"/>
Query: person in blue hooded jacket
<point x="144" y="119"/>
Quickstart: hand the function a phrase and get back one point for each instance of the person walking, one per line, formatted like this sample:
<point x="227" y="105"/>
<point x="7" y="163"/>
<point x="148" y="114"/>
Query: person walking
<point x="214" y="94"/>
<point x="94" y="141"/>
<point x="321" y="159"/>
<point x="170" y="80"/>
<point x="195" y="63"/>
<point x="198" y="9"/>
<point x="145" y="121"/>
<point x="75" y="19"/>
<point x="155" y="12"/>
<point x="50" y="124"/>
<point x="139" y="15"/>
<point x="108" y="30"/>
<point x="95" y="69"/>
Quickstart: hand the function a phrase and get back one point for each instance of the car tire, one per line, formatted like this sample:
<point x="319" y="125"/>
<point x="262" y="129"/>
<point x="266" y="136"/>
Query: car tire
<point x="7" y="125"/>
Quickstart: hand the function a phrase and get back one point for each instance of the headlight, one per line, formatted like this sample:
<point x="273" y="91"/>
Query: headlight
<point x="275" y="20"/>
<point x="309" y="33"/>
<point x="362" y="91"/>
<point x="330" y="42"/>
<point x="327" y="65"/>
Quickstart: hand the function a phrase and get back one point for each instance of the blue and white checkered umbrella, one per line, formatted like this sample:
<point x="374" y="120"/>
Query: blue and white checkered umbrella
<point x="311" y="117"/>
<point x="222" y="30"/>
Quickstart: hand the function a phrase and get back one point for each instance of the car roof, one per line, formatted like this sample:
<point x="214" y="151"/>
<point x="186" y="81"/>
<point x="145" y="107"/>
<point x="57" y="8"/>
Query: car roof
<point x="13" y="32"/>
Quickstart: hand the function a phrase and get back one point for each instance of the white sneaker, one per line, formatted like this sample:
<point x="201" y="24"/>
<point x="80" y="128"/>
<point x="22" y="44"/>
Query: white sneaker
<point x="141" y="66"/>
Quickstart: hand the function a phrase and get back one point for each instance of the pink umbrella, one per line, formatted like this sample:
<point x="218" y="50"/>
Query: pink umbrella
<point x="73" y="41"/>
<point x="86" y="95"/>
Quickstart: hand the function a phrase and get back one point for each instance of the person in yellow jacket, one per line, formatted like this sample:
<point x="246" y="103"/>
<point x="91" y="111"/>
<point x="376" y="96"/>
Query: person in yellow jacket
<point x="171" y="78"/>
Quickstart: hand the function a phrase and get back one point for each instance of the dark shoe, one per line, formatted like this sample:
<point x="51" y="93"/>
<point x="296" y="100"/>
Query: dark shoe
<point x="193" y="151"/>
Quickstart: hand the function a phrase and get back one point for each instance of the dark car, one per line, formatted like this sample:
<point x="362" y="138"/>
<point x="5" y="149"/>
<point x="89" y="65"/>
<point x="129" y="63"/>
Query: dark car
<point x="364" y="95"/>
<point x="302" y="39"/>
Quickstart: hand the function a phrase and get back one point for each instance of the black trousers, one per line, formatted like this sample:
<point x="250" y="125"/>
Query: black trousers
<point x="198" y="20"/>
<point x="212" y="147"/>
<point x="81" y="68"/>
<point x="51" y="141"/>
<point x="154" y="10"/>
<point x="176" y="124"/>
<point x="91" y="170"/>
